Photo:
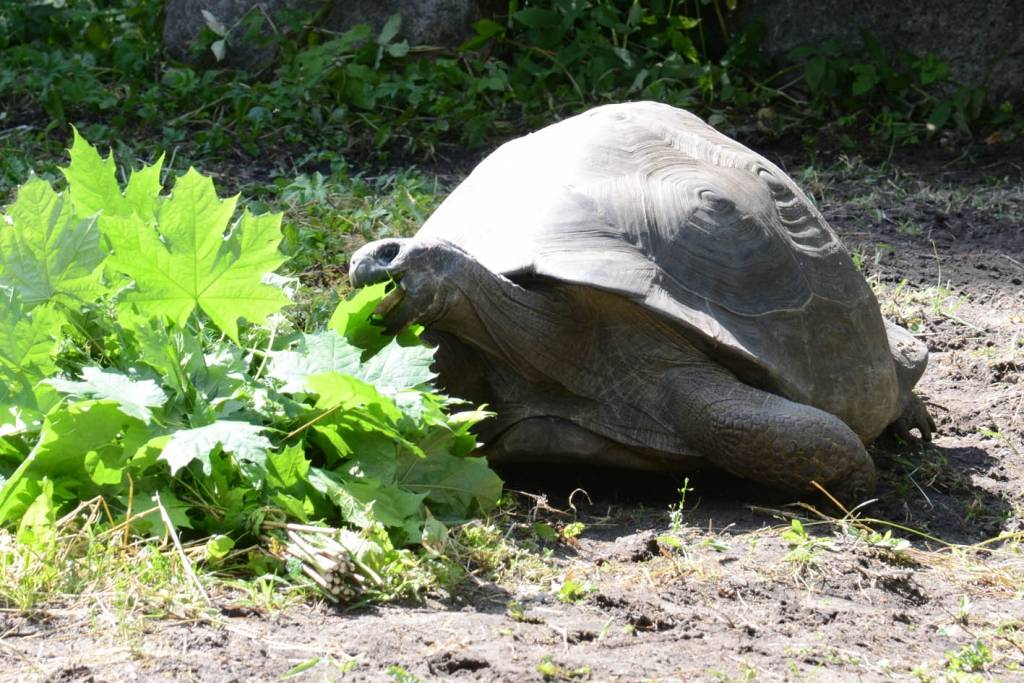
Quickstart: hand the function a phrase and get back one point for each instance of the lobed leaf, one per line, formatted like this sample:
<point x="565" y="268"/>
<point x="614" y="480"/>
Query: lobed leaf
<point x="47" y="250"/>
<point x="93" y="186"/>
<point x="188" y="261"/>
<point x="133" y="397"/>
<point x="79" y="446"/>
<point x="241" y="438"/>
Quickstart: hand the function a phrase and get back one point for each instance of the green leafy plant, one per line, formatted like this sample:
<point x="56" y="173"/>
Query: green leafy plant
<point x="573" y="590"/>
<point x="150" y="362"/>
<point x="803" y="547"/>
<point x="673" y="539"/>
<point x="971" y="658"/>
<point x="905" y="97"/>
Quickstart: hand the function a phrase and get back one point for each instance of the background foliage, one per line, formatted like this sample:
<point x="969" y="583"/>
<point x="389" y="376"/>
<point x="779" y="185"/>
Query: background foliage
<point x="99" y="64"/>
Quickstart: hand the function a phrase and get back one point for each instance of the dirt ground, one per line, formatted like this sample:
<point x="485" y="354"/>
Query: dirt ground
<point x="719" y="593"/>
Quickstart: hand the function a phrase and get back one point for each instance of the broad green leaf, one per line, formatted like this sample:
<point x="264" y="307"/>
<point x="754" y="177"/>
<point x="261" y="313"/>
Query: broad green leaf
<point x="152" y="523"/>
<point x="70" y="434"/>
<point x="93" y="186"/>
<point x="218" y="547"/>
<point x="390" y="29"/>
<point x="92" y="180"/>
<point x="328" y="439"/>
<point x="106" y="466"/>
<point x="351" y="318"/>
<point x="11" y="452"/>
<point x="364" y="503"/>
<point x="178" y="355"/>
<point x="331" y="486"/>
<point x="29" y="338"/>
<point x="399" y="49"/>
<point x="23" y="406"/>
<point x="940" y="113"/>
<point x="12" y="422"/>
<point x="189" y="262"/>
<point x="301" y="510"/>
<point x="37" y="528"/>
<point x="287" y="467"/>
<point x="341" y="394"/>
<point x="397" y="367"/>
<point x="390" y="506"/>
<point x="319" y="353"/>
<point x="435" y="534"/>
<point x="175" y="353"/>
<point x="463" y="440"/>
<point x="390" y="370"/>
<point x="47" y="251"/>
<point x="27" y="345"/>
<point x="242" y="439"/>
<point x="537" y="18"/>
<point x="374" y="454"/>
<point x="814" y="73"/>
<point x="867" y="78"/>
<point x="133" y="397"/>
<point x="345" y="392"/>
<point x="223" y="369"/>
<point x="456" y="487"/>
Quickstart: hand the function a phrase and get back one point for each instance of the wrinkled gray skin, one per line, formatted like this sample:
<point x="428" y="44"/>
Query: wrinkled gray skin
<point x="629" y="287"/>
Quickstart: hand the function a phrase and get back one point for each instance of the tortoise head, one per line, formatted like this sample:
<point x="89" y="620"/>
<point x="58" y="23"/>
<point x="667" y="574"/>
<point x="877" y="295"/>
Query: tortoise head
<point x="429" y="276"/>
<point x="376" y="262"/>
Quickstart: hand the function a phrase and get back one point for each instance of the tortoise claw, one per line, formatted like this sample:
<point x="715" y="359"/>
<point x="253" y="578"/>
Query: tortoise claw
<point x="915" y="416"/>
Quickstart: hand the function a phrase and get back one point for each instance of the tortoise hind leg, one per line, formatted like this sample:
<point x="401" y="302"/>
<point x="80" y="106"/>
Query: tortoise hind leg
<point x="766" y="438"/>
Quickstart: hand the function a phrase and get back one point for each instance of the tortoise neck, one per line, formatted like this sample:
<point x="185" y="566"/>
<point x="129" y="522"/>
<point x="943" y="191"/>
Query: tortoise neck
<point x="523" y="327"/>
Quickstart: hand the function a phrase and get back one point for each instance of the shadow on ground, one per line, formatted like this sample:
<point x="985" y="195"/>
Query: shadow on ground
<point x="926" y="488"/>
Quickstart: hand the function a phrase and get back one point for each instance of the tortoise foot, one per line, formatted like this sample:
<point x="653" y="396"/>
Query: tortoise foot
<point x="915" y="416"/>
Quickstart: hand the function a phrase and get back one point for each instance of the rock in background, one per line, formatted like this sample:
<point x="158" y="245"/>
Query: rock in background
<point x="982" y="41"/>
<point x="442" y="23"/>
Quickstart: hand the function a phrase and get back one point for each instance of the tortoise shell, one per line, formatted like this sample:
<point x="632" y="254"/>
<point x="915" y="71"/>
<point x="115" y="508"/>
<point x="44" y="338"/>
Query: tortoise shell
<point x="649" y="202"/>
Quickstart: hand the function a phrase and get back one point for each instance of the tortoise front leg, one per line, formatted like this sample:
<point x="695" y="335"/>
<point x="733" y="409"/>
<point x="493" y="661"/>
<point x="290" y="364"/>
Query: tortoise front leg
<point x="766" y="438"/>
<point x="910" y="356"/>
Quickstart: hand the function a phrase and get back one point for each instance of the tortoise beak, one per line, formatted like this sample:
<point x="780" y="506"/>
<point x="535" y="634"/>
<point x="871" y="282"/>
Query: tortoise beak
<point x="372" y="263"/>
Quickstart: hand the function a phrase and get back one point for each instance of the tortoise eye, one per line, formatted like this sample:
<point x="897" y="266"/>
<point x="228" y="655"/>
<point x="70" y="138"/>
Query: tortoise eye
<point x="387" y="252"/>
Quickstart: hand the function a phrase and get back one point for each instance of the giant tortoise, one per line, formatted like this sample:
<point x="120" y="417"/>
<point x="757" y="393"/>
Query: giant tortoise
<point x="630" y="287"/>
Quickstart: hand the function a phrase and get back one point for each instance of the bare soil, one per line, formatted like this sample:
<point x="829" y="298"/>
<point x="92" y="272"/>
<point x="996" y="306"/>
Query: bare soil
<point x="730" y="598"/>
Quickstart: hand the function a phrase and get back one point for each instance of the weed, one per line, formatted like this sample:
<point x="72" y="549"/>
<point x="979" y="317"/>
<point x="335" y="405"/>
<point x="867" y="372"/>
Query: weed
<point x="551" y="670"/>
<point x="548" y="669"/>
<point x="675" y="511"/>
<point x="715" y="543"/>
<point x="963" y="610"/>
<point x="333" y="665"/>
<point x="131" y="578"/>
<point x="803" y="548"/>
<point x="572" y="590"/>
<point x="268" y="592"/>
<point x="516" y="612"/>
<point x="572" y="530"/>
<point x="912" y="307"/>
<point x="400" y="675"/>
<point x="893" y="544"/>
<point x="971" y="658"/>
<point x="545" y="532"/>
